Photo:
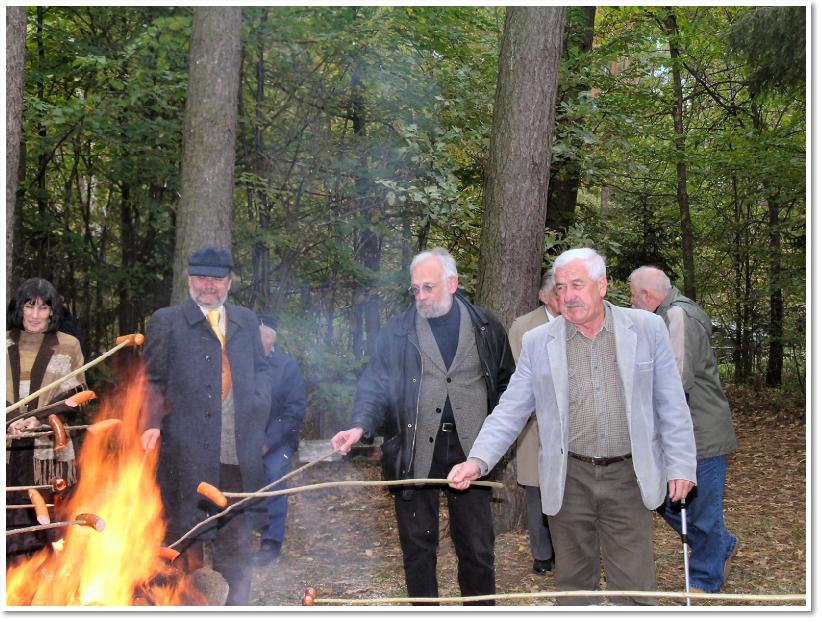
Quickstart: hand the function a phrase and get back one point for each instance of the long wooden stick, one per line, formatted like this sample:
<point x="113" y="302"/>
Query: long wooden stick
<point x="124" y="341"/>
<point x="592" y="593"/>
<point x="25" y="506"/>
<point x="48" y="432"/>
<point x="396" y="482"/>
<point x="86" y="520"/>
<point x="242" y="502"/>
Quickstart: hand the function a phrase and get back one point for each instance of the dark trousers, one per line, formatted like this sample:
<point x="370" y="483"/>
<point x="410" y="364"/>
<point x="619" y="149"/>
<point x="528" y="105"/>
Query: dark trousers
<point x="231" y="545"/>
<point x="538" y="530"/>
<point x="471" y="527"/>
<point x="276" y="464"/>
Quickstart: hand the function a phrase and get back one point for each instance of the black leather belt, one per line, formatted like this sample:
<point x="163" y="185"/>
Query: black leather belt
<point x="447" y="426"/>
<point x="599" y="461"/>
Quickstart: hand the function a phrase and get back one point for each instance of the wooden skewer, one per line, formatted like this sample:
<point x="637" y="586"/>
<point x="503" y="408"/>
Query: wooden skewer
<point x="135" y="339"/>
<point x="94" y="427"/>
<point x="25" y="506"/>
<point x="396" y="482"/>
<point x="593" y="593"/>
<point x="242" y="502"/>
<point x="85" y="520"/>
<point x="57" y="485"/>
<point x="71" y="402"/>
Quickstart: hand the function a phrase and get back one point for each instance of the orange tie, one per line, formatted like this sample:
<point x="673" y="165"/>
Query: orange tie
<point x="214" y="320"/>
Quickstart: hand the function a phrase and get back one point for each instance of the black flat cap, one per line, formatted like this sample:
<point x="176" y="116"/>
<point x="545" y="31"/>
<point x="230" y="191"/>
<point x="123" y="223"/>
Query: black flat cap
<point x="268" y="320"/>
<point x="210" y="261"/>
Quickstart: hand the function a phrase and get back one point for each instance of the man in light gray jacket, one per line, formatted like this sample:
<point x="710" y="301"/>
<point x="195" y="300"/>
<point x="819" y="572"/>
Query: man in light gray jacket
<point x="614" y="428"/>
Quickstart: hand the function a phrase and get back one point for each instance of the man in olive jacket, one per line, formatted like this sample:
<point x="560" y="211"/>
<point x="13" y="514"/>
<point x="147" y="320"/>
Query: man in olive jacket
<point x="438" y="370"/>
<point x="207" y="405"/>
<point x="689" y="327"/>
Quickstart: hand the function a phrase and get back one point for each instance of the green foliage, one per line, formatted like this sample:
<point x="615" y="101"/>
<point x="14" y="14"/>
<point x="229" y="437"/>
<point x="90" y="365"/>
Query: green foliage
<point x="362" y="137"/>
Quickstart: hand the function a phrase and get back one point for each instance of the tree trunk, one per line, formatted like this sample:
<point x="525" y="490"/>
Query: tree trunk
<point x="565" y="173"/>
<point x="15" y="62"/>
<point x="209" y="133"/>
<point x="776" y="345"/>
<point x="686" y="226"/>
<point x="516" y="184"/>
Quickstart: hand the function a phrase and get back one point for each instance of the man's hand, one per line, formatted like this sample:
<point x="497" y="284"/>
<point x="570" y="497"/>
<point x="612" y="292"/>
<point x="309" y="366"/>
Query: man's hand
<point x="678" y="489"/>
<point x="463" y="474"/>
<point x="150" y="438"/>
<point x="343" y="441"/>
<point x="21" y="425"/>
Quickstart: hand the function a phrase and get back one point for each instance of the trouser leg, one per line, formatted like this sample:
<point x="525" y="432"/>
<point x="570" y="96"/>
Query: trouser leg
<point x="538" y="530"/>
<point x="708" y="538"/>
<point x="472" y="531"/>
<point x="276" y="465"/>
<point x="418" y="526"/>
<point x="626" y="532"/>
<point x="233" y="543"/>
<point x="575" y="537"/>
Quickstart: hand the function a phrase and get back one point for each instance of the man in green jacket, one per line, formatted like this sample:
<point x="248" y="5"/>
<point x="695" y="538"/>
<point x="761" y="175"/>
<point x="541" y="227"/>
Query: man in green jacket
<point x="689" y="327"/>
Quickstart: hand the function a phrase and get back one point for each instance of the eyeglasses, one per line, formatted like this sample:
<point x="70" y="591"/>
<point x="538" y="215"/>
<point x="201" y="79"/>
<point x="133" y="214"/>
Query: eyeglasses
<point x="426" y="288"/>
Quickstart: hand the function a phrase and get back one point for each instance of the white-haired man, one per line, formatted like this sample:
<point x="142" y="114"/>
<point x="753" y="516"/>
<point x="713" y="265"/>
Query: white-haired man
<point x="438" y="370"/>
<point x="614" y="430"/>
<point x="712" y="545"/>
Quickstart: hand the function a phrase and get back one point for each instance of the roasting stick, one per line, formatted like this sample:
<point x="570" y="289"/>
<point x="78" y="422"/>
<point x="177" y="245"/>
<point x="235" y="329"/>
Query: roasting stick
<point x="93" y="428"/>
<point x="134" y="339"/>
<point x="220" y="498"/>
<point x="85" y="520"/>
<point x="248" y="499"/>
<point x="72" y="402"/>
<point x="527" y="595"/>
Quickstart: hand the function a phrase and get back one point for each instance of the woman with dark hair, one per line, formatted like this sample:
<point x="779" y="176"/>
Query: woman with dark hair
<point x="37" y="354"/>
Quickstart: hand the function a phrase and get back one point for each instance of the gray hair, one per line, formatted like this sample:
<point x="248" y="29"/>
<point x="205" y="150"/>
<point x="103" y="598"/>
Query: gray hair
<point x="447" y="261"/>
<point x="650" y="277"/>
<point x="547" y="281"/>
<point x="593" y="260"/>
<point x="267" y="330"/>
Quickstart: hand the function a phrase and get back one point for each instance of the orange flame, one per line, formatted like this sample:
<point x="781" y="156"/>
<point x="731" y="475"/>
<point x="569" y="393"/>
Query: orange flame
<point x="120" y="565"/>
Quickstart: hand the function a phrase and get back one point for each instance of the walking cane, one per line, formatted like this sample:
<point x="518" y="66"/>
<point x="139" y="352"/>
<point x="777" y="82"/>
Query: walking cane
<point x="684" y="536"/>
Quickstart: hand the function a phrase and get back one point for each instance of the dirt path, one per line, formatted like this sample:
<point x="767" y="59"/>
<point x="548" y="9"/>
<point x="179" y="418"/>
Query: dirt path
<point x="344" y="542"/>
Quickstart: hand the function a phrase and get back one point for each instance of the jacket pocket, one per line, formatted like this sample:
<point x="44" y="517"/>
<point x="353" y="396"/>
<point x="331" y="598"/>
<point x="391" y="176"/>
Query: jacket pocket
<point x="392" y="457"/>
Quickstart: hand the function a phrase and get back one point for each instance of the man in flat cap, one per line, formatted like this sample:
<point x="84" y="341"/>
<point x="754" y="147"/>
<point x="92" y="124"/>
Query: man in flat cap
<point x="207" y="407"/>
<point x="282" y="435"/>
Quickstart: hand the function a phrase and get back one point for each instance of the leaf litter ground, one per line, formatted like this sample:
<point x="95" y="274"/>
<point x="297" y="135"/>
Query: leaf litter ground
<point x="344" y="541"/>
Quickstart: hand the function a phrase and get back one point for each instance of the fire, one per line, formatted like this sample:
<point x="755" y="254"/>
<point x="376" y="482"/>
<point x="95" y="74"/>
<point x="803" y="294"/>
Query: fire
<point x="120" y="565"/>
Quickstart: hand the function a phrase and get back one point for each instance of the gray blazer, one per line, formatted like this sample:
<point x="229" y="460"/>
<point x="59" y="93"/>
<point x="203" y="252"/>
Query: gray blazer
<point x="662" y="437"/>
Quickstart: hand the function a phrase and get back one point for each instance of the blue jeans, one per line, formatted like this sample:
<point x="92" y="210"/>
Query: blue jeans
<point x="275" y="463"/>
<point x="711" y="544"/>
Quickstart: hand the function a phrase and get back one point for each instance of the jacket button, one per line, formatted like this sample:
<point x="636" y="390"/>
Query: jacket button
<point x="409" y="425"/>
<point x="208" y="357"/>
<point x="430" y="439"/>
<point x="439" y="410"/>
<point x="447" y="380"/>
<point x="413" y="379"/>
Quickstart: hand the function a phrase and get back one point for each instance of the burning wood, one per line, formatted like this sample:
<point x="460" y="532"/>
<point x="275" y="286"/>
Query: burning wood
<point x="117" y="561"/>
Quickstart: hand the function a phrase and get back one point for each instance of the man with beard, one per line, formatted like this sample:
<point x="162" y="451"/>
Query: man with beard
<point x="438" y="369"/>
<point x="614" y="429"/>
<point x="207" y="404"/>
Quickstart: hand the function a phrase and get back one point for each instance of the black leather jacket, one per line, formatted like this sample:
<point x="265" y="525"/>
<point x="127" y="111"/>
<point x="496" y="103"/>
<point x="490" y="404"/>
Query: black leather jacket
<point x="388" y="390"/>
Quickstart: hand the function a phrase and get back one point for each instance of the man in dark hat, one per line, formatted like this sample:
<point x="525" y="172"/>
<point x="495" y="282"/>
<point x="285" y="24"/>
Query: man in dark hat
<point x="282" y="435"/>
<point x="207" y="407"/>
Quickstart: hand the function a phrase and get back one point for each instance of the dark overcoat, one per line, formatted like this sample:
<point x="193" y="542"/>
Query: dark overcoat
<point x="288" y="404"/>
<point x="183" y="370"/>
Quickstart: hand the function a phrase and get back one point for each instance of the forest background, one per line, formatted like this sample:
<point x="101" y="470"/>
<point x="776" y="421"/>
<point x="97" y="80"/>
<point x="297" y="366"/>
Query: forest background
<point x="676" y="136"/>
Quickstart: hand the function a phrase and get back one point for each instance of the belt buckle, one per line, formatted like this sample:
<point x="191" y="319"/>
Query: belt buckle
<point x="447" y="426"/>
